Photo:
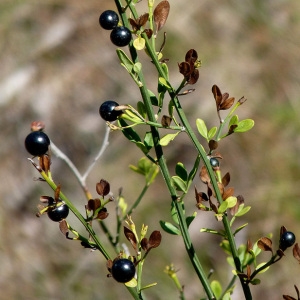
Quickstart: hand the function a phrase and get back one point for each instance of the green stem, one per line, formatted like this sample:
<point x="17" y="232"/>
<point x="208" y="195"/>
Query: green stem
<point x="203" y="155"/>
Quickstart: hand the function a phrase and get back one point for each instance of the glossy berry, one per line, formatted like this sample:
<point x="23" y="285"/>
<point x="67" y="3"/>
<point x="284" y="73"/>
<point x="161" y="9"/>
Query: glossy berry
<point x="107" y="111"/>
<point x="58" y="213"/>
<point x="123" y="270"/>
<point x="120" y="36"/>
<point x="37" y="143"/>
<point x="287" y="239"/>
<point x="214" y="162"/>
<point x="109" y="19"/>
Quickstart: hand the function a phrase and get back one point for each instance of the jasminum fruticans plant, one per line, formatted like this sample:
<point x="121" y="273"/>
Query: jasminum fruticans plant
<point x="158" y="130"/>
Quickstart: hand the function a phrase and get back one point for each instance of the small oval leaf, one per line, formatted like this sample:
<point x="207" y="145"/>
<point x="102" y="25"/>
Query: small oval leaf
<point x="244" y="125"/>
<point x="169" y="228"/>
<point x="168" y="138"/>
<point x="202" y="129"/>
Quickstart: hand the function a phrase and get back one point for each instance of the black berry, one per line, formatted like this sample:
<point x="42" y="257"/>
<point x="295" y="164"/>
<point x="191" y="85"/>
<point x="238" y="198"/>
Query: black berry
<point x="109" y="19"/>
<point x="123" y="270"/>
<point x="58" y="213"/>
<point x="287" y="239"/>
<point x="214" y="162"/>
<point x="120" y="36"/>
<point x="37" y="143"/>
<point x="107" y="111"/>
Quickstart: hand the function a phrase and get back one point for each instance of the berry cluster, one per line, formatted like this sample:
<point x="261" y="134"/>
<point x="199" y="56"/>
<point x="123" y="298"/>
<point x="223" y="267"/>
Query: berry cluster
<point x="120" y="35"/>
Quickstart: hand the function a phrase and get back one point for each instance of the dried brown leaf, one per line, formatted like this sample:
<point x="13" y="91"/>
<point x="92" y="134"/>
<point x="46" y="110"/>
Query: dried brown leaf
<point x="102" y="214"/>
<point x="265" y="244"/>
<point x="226" y="179"/>
<point x="231" y="129"/>
<point x="227" y="103"/>
<point x="204" y="175"/>
<point x="286" y="297"/>
<point x="249" y="245"/>
<point x="166" y="121"/>
<point x="191" y="56"/>
<point x="160" y="14"/>
<point x="130" y="237"/>
<point x="154" y="239"/>
<point x="227" y="193"/>
<point x="148" y="32"/>
<point x="193" y="78"/>
<point x="103" y="187"/>
<point x="63" y="227"/>
<point x="217" y="94"/>
<point x="144" y="244"/>
<point x="296" y="252"/>
<point x="248" y="272"/>
<point x="184" y="68"/>
<point x="213" y="145"/>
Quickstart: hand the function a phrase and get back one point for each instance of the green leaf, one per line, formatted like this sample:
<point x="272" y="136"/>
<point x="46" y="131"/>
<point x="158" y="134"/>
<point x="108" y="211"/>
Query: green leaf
<point x="212" y="133"/>
<point x="227" y="296"/>
<point x="165" y="69"/>
<point x="231" y="201"/>
<point x="222" y="208"/>
<point x="132" y="69"/>
<point x="148" y="140"/>
<point x="128" y="132"/>
<point x="216" y="288"/>
<point x="181" y="171"/>
<point x="164" y="82"/>
<point x="261" y="265"/>
<point x="244" y="125"/>
<point x="233" y="121"/>
<point x="174" y="214"/>
<point x="141" y="109"/>
<point x="153" y="98"/>
<point x="190" y="219"/>
<point x="169" y="228"/>
<point x="213" y="231"/>
<point x="164" y="141"/>
<point x="193" y="171"/>
<point x="139" y="43"/>
<point x="202" y="129"/>
<point x="255" y="281"/>
<point x="242" y="211"/>
<point x="240" y="228"/>
<point x="179" y="184"/>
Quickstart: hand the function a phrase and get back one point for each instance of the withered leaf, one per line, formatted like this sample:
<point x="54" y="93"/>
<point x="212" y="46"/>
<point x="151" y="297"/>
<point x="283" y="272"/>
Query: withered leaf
<point x="282" y="230"/>
<point x="103" y="187"/>
<point x="213" y="207"/>
<point x="93" y="204"/>
<point x="63" y="227"/>
<point x="160" y="14"/>
<point x="227" y="103"/>
<point x="193" y="78"/>
<point x="184" y="68"/>
<point x="248" y="272"/>
<point x="231" y="129"/>
<point x="217" y="94"/>
<point x="148" y="32"/>
<point x="213" y="145"/>
<point x="265" y="244"/>
<point x="286" y="297"/>
<point x="296" y="252"/>
<point x="204" y="175"/>
<point x="191" y="56"/>
<point x="249" y="245"/>
<point x="102" y="214"/>
<point x="139" y="22"/>
<point x="57" y="192"/>
<point x="130" y="237"/>
<point x="226" y="179"/>
<point x="144" y="244"/>
<point x="154" y="239"/>
<point x="166" y="121"/>
<point x="227" y="193"/>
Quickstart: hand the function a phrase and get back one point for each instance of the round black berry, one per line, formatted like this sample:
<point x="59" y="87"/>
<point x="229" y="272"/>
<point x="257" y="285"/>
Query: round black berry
<point x="120" y="36"/>
<point x="107" y="111"/>
<point x="214" y="162"/>
<point x="58" y="213"/>
<point x="287" y="239"/>
<point x="123" y="270"/>
<point x="37" y="143"/>
<point x="109" y="19"/>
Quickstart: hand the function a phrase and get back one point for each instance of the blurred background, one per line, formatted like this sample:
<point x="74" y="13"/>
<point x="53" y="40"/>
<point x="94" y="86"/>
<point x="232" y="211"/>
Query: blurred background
<point x="58" y="66"/>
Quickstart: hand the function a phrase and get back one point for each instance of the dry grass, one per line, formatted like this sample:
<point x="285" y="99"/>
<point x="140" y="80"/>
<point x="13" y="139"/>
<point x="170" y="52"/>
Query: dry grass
<point x="58" y="66"/>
